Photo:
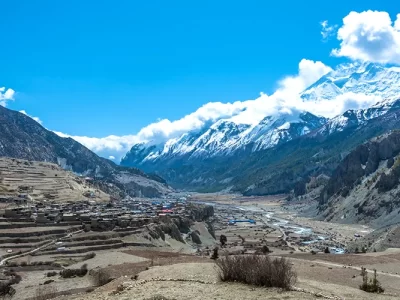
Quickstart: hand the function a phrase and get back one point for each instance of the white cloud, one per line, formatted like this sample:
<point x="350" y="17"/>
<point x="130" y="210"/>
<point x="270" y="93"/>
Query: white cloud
<point x="6" y="95"/>
<point x="286" y="96"/>
<point x="285" y="99"/>
<point x="111" y="143"/>
<point x="370" y="36"/>
<point x="367" y="36"/>
<point x="327" y="31"/>
<point x="33" y="118"/>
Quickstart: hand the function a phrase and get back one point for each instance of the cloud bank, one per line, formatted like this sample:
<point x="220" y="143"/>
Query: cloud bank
<point x="286" y="99"/>
<point x="245" y="112"/>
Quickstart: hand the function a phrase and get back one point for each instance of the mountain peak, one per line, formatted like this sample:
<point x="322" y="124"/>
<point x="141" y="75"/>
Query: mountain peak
<point x="358" y="78"/>
<point x="226" y="138"/>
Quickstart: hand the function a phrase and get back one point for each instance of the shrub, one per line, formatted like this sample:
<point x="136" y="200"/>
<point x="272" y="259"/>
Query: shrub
<point x="56" y="265"/>
<point x="16" y="278"/>
<point x="69" y="273"/>
<point x="215" y="254"/>
<point x="223" y="240"/>
<point x="6" y="289"/>
<point x="51" y="274"/>
<point x="372" y="285"/>
<point x="101" y="277"/>
<point x="90" y="256"/>
<point x="257" y="270"/>
<point x="24" y="264"/>
<point x="12" y="264"/>
<point x="265" y="249"/>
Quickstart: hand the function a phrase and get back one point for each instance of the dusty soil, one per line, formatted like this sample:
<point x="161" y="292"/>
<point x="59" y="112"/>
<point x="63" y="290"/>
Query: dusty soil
<point x="132" y="269"/>
<point x="199" y="281"/>
<point x="104" y="259"/>
<point x="31" y="281"/>
<point x="188" y="281"/>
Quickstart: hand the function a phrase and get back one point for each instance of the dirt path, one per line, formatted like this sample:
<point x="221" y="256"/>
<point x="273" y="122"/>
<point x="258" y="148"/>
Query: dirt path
<point x="2" y="262"/>
<point x="330" y="264"/>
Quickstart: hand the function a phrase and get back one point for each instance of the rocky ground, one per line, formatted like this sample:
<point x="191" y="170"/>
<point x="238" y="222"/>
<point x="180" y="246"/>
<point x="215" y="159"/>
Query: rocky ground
<point x="199" y="280"/>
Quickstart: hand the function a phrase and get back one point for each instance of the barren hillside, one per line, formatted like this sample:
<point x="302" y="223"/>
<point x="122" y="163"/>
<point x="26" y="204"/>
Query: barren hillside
<point x="44" y="181"/>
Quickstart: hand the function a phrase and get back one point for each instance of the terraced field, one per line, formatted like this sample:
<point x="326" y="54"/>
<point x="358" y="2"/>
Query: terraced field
<point x="44" y="181"/>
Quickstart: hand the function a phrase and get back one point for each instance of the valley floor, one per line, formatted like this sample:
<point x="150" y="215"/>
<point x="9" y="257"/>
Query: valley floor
<point x="173" y="270"/>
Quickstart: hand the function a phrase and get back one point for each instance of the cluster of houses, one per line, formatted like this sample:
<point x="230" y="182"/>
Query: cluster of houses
<point x="130" y="212"/>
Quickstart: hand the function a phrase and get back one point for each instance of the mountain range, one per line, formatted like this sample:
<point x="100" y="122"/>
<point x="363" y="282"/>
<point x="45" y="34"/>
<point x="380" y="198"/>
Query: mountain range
<point x="239" y="157"/>
<point x="281" y="153"/>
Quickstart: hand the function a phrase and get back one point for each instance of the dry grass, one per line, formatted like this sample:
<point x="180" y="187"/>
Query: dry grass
<point x="257" y="270"/>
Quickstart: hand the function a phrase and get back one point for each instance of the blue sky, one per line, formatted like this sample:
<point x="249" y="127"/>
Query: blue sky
<point x="97" y="68"/>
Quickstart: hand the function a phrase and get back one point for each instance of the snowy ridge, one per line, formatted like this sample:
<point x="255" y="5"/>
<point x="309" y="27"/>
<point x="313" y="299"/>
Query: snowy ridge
<point x="357" y="117"/>
<point x="225" y="137"/>
<point x="367" y="78"/>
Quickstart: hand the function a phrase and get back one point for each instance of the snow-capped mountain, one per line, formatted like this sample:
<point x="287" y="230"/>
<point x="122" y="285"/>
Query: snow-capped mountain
<point x="271" y="132"/>
<point x="226" y="137"/>
<point x="357" y="117"/>
<point x="366" y="78"/>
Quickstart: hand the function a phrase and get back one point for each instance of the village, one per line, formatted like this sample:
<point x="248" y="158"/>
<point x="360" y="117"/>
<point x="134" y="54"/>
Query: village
<point x="95" y="216"/>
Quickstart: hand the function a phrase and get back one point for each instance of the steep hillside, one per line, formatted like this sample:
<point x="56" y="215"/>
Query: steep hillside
<point x="379" y="240"/>
<point x="21" y="137"/>
<point x="44" y="182"/>
<point x="365" y="187"/>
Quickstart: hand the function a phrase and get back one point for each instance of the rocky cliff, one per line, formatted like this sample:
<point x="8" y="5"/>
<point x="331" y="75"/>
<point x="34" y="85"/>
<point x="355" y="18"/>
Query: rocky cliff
<point x="365" y="187"/>
<point x="177" y="226"/>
